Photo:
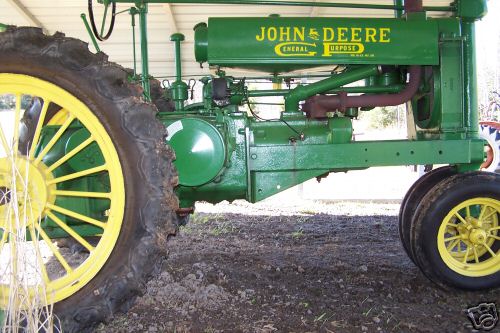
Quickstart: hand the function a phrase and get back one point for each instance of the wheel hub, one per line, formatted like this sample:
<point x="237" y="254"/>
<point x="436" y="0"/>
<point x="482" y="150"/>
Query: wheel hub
<point x="24" y="190"/>
<point x="477" y="236"/>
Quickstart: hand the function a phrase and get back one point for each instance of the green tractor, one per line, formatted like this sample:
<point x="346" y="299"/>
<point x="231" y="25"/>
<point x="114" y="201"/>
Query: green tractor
<point x="95" y="154"/>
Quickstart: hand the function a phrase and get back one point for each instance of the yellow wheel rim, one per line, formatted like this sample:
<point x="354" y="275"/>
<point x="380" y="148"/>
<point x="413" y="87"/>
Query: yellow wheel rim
<point x="469" y="238"/>
<point x="42" y="191"/>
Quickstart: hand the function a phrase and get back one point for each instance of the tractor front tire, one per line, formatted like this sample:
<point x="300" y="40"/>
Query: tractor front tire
<point x="413" y="197"/>
<point x="95" y="94"/>
<point x="456" y="232"/>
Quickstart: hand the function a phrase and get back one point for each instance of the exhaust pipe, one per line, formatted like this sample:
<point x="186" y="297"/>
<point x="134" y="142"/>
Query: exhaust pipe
<point x="413" y="6"/>
<point x="317" y="106"/>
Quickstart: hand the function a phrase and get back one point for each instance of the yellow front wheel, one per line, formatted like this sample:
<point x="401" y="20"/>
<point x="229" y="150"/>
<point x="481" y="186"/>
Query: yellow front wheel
<point x="457" y="232"/>
<point x="80" y="155"/>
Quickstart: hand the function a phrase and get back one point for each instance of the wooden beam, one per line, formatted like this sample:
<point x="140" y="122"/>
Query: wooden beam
<point x="170" y="17"/>
<point x="26" y="14"/>
<point x="314" y="10"/>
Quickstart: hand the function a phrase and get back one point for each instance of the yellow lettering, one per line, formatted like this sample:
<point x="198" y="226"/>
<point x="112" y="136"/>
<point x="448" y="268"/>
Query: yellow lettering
<point x="355" y="34"/>
<point x="341" y="35"/>
<point x="261" y="37"/>
<point x="284" y="34"/>
<point x="371" y="35"/>
<point x="384" y="35"/>
<point x="299" y="34"/>
<point x="272" y="34"/>
<point x="328" y="34"/>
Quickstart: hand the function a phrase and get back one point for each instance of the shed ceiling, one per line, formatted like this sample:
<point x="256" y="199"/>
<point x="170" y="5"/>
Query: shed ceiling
<point x="163" y="20"/>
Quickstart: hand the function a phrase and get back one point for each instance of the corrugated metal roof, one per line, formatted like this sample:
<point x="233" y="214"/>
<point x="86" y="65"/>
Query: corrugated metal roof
<point x="64" y="15"/>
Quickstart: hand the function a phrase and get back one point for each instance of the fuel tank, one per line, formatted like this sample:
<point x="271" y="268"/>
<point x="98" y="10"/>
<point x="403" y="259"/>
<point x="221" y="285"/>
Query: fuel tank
<point x="282" y="44"/>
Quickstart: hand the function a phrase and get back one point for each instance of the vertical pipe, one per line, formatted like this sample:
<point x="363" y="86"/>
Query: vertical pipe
<point x="471" y="116"/>
<point x="179" y="88"/>
<point x="143" y="25"/>
<point x="413" y="6"/>
<point x="133" y="12"/>
<point x="398" y="13"/>
<point x="178" y="38"/>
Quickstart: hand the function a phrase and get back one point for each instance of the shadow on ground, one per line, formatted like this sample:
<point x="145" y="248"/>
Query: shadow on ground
<point x="298" y="272"/>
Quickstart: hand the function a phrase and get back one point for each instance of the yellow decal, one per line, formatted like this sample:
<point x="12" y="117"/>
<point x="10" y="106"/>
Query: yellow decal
<point x="293" y="41"/>
<point x="295" y="49"/>
<point x="342" y="48"/>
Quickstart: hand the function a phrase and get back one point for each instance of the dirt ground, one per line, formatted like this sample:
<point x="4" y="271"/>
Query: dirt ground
<point x="282" y="267"/>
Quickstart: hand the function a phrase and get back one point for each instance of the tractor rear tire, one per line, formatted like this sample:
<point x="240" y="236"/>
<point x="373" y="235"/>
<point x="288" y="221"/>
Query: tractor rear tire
<point x="413" y="197"/>
<point x="144" y="214"/>
<point x="456" y="232"/>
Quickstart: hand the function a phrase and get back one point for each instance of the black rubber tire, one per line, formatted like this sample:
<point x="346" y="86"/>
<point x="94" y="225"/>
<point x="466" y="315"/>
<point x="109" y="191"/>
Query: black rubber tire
<point x="148" y="171"/>
<point x="429" y="216"/>
<point x="158" y="97"/>
<point x="413" y="197"/>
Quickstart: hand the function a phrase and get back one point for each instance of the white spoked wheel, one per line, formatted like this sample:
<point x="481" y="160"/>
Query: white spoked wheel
<point x="490" y="131"/>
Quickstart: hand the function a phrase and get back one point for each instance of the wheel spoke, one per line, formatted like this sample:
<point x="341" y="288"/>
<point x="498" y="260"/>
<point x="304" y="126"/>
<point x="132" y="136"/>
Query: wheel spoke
<point x="495" y="237"/>
<point x="54" y="250"/>
<point x="54" y="139"/>
<point x="38" y="129"/>
<point x="467" y="210"/>
<point x="493" y="254"/>
<point x="81" y="194"/>
<point x="494" y="228"/>
<point x="452" y="238"/>
<point x="453" y="245"/>
<point x="490" y="214"/>
<point x="476" y="258"/>
<point x="466" y="254"/>
<point x="77" y="174"/>
<point x="77" y="216"/>
<point x="69" y="155"/>
<point x="70" y="231"/>
<point x="460" y="218"/>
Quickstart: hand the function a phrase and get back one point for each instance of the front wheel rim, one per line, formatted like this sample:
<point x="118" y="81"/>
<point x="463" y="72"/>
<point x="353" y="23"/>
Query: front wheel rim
<point x="468" y="238"/>
<point x="74" y="276"/>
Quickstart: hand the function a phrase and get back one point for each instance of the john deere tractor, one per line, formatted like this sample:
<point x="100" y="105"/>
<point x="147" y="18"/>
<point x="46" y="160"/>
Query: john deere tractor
<point x="103" y="157"/>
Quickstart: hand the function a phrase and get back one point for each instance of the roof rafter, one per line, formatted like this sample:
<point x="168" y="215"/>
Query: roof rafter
<point x="26" y="14"/>
<point x="170" y="17"/>
<point x="314" y="10"/>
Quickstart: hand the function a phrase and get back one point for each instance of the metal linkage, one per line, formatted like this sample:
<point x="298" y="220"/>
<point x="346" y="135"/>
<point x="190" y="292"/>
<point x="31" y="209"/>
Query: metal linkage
<point x="396" y="7"/>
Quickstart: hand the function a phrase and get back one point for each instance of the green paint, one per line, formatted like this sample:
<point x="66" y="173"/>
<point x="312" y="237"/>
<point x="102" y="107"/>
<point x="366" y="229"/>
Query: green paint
<point x="471" y="113"/>
<point x="281" y="44"/>
<point x="204" y="147"/>
<point x="179" y="88"/>
<point x="89" y="31"/>
<point x="365" y="154"/>
<point x="303" y="92"/>
<point x="225" y="154"/>
<point x="3" y="27"/>
<point x="472" y="10"/>
<point x="133" y="12"/>
<point x="389" y="89"/>
<point x="398" y="13"/>
<point x="143" y="11"/>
